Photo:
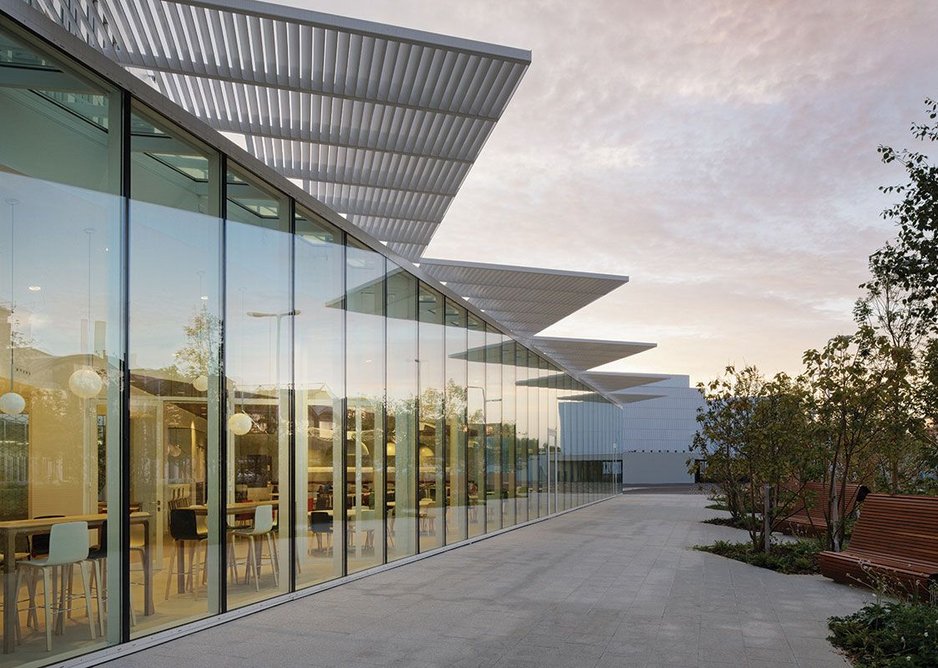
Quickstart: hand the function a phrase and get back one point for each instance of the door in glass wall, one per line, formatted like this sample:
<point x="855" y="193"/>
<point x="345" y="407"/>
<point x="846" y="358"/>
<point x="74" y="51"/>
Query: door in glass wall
<point x="60" y="326"/>
<point x="319" y="364"/>
<point x="258" y="367"/>
<point x="431" y="491"/>
<point x="365" y="373"/>
<point x="475" y="407"/>
<point x="456" y="427"/>
<point x="175" y="330"/>
<point x="401" y="451"/>
<point x="493" y="428"/>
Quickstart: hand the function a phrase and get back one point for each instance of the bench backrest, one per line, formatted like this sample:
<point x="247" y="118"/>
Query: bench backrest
<point x="899" y="526"/>
<point x="818" y="500"/>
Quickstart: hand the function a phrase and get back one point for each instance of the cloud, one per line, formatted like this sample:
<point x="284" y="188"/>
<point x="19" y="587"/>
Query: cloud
<point x="721" y="153"/>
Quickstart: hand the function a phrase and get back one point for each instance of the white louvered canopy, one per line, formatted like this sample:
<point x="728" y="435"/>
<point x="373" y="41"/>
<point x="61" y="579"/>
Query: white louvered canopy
<point x="609" y="381"/>
<point x="583" y="354"/>
<point x="380" y="123"/>
<point x="522" y="299"/>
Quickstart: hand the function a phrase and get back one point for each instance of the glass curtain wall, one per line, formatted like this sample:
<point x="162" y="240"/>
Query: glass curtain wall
<point x="544" y="468"/>
<point x="365" y="374"/>
<point x="319" y="368"/>
<point x="509" y="457"/>
<point x="456" y="426"/>
<point x="60" y="332"/>
<point x="493" y="429"/>
<point x="522" y="471"/>
<point x="401" y="495"/>
<point x="174" y="340"/>
<point x="475" y="407"/>
<point x="431" y="453"/>
<point x="258" y="365"/>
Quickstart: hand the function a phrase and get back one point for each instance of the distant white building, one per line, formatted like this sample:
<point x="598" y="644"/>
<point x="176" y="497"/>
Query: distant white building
<point x="658" y="430"/>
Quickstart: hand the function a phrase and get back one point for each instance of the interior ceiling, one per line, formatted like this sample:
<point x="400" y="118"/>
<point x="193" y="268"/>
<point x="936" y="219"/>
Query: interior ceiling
<point x="380" y="123"/>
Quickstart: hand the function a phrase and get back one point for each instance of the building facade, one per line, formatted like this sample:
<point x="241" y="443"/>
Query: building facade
<point x="244" y="395"/>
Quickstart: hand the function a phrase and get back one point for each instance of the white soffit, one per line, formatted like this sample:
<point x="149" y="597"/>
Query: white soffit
<point x="583" y="354"/>
<point x="609" y="381"/>
<point x="524" y="300"/>
<point x="380" y="123"/>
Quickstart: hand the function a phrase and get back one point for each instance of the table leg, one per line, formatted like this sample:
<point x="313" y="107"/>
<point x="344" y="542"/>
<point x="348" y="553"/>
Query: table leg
<point x="9" y="593"/>
<point x="148" y="607"/>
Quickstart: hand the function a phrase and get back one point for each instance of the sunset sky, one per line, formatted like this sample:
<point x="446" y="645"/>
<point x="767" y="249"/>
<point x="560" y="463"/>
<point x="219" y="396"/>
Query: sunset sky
<point x="721" y="154"/>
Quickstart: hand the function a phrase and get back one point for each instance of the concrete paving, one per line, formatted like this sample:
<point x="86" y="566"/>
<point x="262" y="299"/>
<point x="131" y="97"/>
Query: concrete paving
<point x="610" y="585"/>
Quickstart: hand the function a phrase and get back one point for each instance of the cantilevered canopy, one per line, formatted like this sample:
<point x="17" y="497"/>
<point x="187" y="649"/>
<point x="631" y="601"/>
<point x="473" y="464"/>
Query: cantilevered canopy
<point x="523" y="299"/>
<point x="380" y="123"/>
<point x="608" y="381"/>
<point x="583" y="354"/>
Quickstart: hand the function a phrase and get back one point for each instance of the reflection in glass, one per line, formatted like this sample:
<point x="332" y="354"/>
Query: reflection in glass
<point x="523" y="488"/>
<point x="60" y="241"/>
<point x="320" y="394"/>
<point x="401" y="496"/>
<point x="258" y="365"/>
<point x="431" y="493"/>
<point x="175" y="330"/>
<point x="493" y="429"/>
<point x="365" y="440"/>
<point x="509" y="458"/>
<point x="456" y="427"/>
<point x="475" y="407"/>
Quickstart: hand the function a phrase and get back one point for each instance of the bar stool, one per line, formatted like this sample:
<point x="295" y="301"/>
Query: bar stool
<point x="263" y="528"/>
<point x="184" y="528"/>
<point x="68" y="545"/>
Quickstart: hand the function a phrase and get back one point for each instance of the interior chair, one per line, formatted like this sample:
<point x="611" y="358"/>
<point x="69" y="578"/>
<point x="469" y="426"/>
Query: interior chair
<point x="184" y="528"/>
<point x="320" y="523"/>
<point x="263" y="528"/>
<point x="68" y="546"/>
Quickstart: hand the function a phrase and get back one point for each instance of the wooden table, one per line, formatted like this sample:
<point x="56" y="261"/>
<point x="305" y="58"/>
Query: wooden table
<point x="9" y="531"/>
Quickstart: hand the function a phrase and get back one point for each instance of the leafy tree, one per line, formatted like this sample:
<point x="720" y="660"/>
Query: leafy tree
<point x="754" y="433"/>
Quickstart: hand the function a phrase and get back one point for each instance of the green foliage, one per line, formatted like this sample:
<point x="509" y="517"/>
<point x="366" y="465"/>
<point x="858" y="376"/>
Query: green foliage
<point x="882" y="635"/>
<point x="743" y="522"/>
<point x="790" y="558"/>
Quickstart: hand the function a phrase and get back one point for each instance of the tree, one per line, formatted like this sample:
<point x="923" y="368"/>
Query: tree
<point x="753" y="434"/>
<point x="913" y="258"/>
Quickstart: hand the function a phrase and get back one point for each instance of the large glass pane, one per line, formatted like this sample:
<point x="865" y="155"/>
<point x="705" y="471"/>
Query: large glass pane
<point x="456" y="427"/>
<point x="258" y="365"/>
<point x="365" y="441"/>
<point x="432" y="386"/>
<point x="534" y="378"/>
<point x="475" y="406"/>
<point x="175" y="329"/>
<point x="523" y="487"/>
<point x="509" y="480"/>
<point x="401" y="499"/>
<point x="60" y="339"/>
<point x="319" y="284"/>
<point x="544" y="469"/>
<point x="493" y="428"/>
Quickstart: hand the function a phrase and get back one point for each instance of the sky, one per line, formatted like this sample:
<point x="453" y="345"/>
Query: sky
<point x="722" y="154"/>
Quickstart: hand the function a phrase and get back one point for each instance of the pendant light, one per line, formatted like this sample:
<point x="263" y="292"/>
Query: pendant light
<point x="12" y="403"/>
<point x="240" y="422"/>
<point x="85" y="383"/>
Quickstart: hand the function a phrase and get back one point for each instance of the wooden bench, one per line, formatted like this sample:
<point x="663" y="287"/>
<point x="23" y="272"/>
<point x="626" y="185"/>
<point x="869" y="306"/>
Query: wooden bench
<point x="809" y="519"/>
<point x="894" y="543"/>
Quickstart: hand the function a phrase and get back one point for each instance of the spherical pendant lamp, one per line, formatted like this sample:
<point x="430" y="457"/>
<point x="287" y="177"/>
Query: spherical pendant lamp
<point x="85" y="383"/>
<point x="240" y="423"/>
<point x="200" y="383"/>
<point x="12" y="403"/>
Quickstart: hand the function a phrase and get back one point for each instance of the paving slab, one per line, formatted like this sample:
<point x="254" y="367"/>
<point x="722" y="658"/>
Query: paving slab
<point x="613" y="584"/>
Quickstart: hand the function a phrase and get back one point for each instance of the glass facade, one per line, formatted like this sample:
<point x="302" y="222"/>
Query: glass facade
<point x="237" y="397"/>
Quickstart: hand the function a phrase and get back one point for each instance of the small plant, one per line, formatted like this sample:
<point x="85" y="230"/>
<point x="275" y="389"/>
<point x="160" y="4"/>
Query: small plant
<point x="888" y="634"/>
<point x="790" y="558"/>
<point x="741" y="523"/>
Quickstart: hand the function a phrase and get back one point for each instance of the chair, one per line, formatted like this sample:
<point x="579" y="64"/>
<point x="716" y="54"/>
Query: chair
<point x="263" y="528"/>
<point x="320" y="523"/>
<point x="184" y="528"/>
<point x="68" y="545"/>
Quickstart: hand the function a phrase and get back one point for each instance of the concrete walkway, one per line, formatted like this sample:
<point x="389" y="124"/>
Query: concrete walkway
<point x="610" y="585"/>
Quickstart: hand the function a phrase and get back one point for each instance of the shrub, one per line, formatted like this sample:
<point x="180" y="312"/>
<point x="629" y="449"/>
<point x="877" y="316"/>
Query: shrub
<point x="791" y="558"/>
<point x="882" y="635"/>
